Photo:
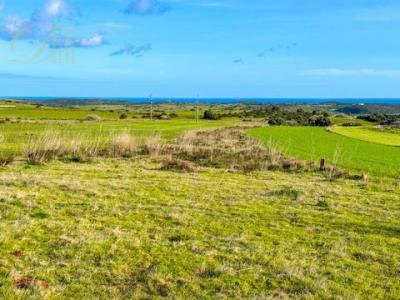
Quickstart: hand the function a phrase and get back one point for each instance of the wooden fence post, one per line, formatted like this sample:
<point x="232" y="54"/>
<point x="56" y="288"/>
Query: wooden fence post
<point x="322" y="165"/>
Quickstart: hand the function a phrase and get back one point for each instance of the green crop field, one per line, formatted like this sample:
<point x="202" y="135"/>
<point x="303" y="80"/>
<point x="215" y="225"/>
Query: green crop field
<point x="313" y="144"/>
<point x="369" y="134"/>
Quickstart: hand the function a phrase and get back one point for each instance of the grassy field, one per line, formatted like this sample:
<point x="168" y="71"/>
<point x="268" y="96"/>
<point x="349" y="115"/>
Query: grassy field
<point x="119" y="229"/>
<point x="16" y="135"/>
<point x="27" y="111"/>
<point x="312" y="144"/>
<point x="369" y="134"/>
<point x="347" y="119"/>
<point x="21" y="122"/>
<point x="214" y="223"/>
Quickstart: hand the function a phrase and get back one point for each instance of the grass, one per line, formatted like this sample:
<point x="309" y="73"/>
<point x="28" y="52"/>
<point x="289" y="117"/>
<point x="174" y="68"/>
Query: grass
<point x="16" y="135"/>
<point x="312" y="144"/>
<point x="369" y="134"/>
<point x="28" y="111"/>
<point x="126" y="229"/>
<point x="348" y="119"/>
<point x="165" y="215"/>
<point x="46" y="113"/>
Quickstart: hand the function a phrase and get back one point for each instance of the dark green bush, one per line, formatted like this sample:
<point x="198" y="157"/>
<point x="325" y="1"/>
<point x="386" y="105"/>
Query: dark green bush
<point x="210" y="115"/>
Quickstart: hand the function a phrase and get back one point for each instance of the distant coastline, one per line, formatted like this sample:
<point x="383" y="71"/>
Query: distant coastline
<point x="141" y="100"/>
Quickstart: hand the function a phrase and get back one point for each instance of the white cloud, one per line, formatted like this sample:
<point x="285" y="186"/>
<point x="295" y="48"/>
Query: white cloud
<point x="147" y="7"/>
<point x="94" y="41"/>
<point x="38" y="26"/>
<point x="67" y="42"/>
<point x="54" y="9"/>
<point x="42" y="27"/>
<point x="353" y="72"/>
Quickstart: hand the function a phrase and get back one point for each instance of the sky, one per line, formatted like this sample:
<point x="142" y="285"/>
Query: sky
<point x="210" y="48"/>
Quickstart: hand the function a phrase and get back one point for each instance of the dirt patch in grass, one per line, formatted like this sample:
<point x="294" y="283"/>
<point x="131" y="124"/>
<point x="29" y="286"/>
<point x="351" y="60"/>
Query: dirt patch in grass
<point x="27" y="282"/>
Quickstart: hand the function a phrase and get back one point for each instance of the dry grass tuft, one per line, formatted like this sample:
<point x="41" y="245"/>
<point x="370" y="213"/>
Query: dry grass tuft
<point x="53" y="145"/>
<point x="124" y="145"/>
<point x="154" y="146"/>
<point x="93" y="117"/>
<point x="173" y="164"/>
<point x="6" y="159"/>
<point x="81" y="149"/>
<point x="43" y="149"/>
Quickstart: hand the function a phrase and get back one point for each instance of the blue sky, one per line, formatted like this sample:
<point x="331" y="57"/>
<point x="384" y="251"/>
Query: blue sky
<point x="214" y="48"/>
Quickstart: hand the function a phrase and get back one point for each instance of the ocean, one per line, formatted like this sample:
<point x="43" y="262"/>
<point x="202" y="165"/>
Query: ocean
<point x="139" y="100"/>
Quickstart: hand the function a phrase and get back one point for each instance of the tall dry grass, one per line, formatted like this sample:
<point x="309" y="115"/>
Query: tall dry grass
<point x="52" y="145"/>
<point x="124" y="145"/>
<point x="43" y="149"/>
<point x="81" y="148"/>
<point x="154" y="146"/>
<point x="5" y="158"/>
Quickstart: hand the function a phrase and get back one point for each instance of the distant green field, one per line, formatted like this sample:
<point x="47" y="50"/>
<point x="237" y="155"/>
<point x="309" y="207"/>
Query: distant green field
<point x="14" y="135"/>
<point x="343" y="120"/>
<point x="369" y="134"/>
<point x="312" y="144"/>
<point x="21" y="110"/>
<point x="30" y="112"/>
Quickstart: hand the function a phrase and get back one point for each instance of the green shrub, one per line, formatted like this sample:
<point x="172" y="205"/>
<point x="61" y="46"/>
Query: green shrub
<point x="210" y="115"/>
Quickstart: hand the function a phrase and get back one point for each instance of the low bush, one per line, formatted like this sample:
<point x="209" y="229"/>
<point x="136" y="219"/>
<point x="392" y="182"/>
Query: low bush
<point x="319" y="120"/>
<point x="210" y="115"/>
<point x="93" y="117"/>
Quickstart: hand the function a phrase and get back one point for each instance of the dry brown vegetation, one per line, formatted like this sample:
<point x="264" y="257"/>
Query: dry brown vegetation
<point x="124" y="145"/>
<point x="93" y="117"/>
<point x="173" y="164"/>
<point x="6" y="159"/>
<point x="231" y="149"/>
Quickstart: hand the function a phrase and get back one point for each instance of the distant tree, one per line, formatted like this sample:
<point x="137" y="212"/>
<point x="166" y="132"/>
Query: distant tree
<point x="209" y="115"/>
<point x="319" y="120"/>
<point x="123" y="116"/>
<point x="353" y="110"/>
<point x="276" y="121"/>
